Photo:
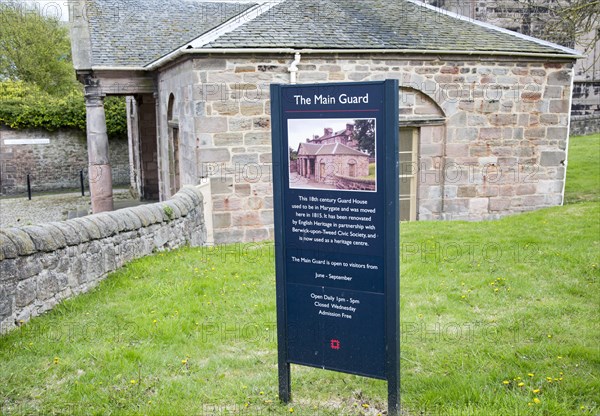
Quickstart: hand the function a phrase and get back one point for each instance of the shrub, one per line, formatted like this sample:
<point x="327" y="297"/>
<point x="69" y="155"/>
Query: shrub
<point x="25" y="106"/>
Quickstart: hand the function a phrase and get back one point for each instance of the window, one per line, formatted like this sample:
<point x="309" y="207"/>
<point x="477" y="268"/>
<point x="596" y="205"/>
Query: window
<point x="409" y="138"/>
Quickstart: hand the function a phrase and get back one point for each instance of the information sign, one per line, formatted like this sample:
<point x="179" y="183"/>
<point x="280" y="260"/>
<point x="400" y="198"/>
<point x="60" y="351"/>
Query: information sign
<point x="335" y="170"/>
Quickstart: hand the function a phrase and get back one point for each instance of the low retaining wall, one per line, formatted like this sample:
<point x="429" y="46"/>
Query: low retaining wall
<point x="345" y="182"/>
<point x="43" y="265"/>
<point x="582" y="125"/>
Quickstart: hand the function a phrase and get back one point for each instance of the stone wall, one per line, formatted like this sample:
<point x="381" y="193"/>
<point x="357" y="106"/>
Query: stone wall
<point x="43" y="265"/>
<point x="543" y="19"/>
<point x="177" y="82"/>
<point x="582" y="125"/>
<point x="54" y="163"/>
<point x="492" y="130"/>
<point x="355" y="184"/>
<point x="585" y="111"/>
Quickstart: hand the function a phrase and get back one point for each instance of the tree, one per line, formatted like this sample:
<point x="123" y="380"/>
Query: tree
<point x="35" y="49"/>
<point x="364" y="134"/>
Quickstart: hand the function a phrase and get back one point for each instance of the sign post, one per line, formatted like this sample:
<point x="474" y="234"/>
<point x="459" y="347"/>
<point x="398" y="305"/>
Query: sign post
<point x="335" y="171"/>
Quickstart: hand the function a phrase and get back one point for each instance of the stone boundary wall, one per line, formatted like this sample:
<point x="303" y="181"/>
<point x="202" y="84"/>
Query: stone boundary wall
<point x="345" y="182"/>
<point x="53" y="159"/>
<point x="583" y="125"/>
<point x="42" y="265"/>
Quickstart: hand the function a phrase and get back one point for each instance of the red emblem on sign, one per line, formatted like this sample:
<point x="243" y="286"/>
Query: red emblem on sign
<point x="335" y="344"/>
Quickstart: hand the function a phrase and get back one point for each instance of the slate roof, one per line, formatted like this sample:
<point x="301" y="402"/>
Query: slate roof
<point x="307" y="149"/>
<point x="370" y="24"/>
<point x="137" y="32"/>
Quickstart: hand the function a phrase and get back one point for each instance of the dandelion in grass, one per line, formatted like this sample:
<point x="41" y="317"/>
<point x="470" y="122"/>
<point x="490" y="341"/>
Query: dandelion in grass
<point x="531" y="374"/>
<point x="521" y="384"/>
<point x="133" y="381"/>
<point x="536" y="391"/>
<point x="55" y="360"/>
<point x="536" y="400"/>
<point x="506" y="382"/>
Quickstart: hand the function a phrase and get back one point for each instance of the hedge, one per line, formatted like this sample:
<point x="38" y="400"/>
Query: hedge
<point x="25" y="106"/>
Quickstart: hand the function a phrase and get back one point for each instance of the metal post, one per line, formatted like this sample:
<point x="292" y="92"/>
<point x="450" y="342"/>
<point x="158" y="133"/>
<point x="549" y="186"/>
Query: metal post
<point x="29" y="186"/>
<point x="81" y="182"/>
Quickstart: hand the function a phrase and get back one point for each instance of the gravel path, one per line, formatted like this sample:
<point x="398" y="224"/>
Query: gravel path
<point x="15" y="212"/>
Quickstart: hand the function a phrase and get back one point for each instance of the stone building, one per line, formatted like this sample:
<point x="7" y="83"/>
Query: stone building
<point x="484" y="112"/>
<point x="323" y="162"/>
<point x="545" y="20"/>
<point x="344" y="137"/>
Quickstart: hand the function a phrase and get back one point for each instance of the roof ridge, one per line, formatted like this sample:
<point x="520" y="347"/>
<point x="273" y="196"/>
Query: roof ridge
<point x="495" y="28"/>
<point x="260" y="8"/>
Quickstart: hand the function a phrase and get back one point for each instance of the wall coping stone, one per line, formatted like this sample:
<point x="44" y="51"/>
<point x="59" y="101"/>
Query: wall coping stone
<point x="89" y="227"/>
<point x="21" y="240"/>
<point x="9" y="250"/>
<point x="45" y="238"/>
<point x="71" y="235"/>
<point x="28" y="240"/>
<point x="144" y="214"/>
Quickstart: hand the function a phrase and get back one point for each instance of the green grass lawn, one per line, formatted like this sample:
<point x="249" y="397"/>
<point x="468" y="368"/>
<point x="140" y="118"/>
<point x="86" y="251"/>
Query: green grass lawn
<point x="498" y="318"/>
<point x="583" y="181"/>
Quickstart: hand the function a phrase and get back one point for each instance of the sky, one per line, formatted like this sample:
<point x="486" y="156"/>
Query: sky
<point x="301" y="129"/>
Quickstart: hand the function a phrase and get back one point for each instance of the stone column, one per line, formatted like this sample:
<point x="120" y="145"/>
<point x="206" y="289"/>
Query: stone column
<point x="100" y="173"/>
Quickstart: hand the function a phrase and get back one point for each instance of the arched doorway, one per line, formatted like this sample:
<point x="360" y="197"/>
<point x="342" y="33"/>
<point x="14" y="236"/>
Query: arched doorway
<point x="422" y="126"/>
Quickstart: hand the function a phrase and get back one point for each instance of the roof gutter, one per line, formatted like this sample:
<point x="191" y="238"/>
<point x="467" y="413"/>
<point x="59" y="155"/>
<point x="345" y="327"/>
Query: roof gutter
<point x="115" y="68"/>
<point x="181" y="52"/>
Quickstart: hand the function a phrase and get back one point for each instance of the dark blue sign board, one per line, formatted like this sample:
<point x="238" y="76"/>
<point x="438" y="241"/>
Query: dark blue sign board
<point x="335" y="171"/>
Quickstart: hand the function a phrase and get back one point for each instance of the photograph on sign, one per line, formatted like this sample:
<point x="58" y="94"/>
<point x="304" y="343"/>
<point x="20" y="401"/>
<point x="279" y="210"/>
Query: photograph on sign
<point x="335" y="154"/>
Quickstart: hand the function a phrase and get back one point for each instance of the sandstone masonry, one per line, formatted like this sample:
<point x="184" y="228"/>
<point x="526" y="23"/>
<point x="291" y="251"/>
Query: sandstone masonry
<point x="54" y="165"/>
<point x="492" y="131"/>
